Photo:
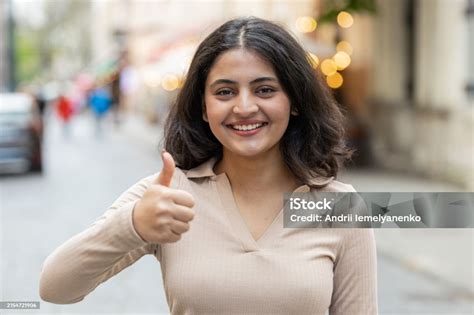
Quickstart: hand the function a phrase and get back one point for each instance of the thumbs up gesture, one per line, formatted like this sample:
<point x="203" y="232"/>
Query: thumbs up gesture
<point x="163" y="213"/>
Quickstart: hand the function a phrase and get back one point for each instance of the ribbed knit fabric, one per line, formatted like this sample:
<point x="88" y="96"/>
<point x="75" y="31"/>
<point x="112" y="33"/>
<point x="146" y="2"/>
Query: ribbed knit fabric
<point x="217" y="267"/>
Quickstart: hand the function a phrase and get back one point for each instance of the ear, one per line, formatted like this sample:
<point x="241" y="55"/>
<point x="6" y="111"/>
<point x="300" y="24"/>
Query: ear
<point x="294" y="111"/>
<point x="204" y="113"/>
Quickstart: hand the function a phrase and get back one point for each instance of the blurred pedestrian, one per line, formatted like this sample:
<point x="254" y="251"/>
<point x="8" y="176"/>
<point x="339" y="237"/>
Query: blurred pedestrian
<point x="41" y="101"/>
<point x="100" y="102"/>
<point x="115" y="98"/>
<point x="65" y="112"/>
<point x="251" y="122"/>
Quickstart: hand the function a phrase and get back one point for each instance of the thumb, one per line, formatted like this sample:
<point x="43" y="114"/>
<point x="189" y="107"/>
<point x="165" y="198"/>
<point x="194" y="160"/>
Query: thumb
<point x="166" y="174"/>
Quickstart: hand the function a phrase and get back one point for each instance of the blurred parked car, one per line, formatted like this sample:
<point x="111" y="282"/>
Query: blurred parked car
<point x="21" y="131"/>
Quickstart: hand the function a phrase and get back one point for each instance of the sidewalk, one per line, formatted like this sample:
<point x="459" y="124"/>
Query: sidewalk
<point x="443" y="254"/>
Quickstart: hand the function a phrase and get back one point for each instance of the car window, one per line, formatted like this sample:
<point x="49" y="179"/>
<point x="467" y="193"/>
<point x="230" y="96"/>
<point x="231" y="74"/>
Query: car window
<point x="10" y="118"/>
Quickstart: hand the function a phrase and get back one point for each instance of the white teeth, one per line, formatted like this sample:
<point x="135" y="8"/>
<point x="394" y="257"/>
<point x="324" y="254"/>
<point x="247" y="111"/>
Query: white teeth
<point x="247" y="127"/>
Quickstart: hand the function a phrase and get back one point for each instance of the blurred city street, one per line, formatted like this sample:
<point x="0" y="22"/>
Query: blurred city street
<point x="84" y="174"/>
<point x="89" y="83"/>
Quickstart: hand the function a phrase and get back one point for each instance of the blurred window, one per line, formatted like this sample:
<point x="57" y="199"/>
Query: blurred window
<point x="15" y="118"/>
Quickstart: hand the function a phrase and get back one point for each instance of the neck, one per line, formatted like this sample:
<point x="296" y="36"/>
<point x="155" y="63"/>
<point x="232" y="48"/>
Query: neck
<point x="256" y="174"/>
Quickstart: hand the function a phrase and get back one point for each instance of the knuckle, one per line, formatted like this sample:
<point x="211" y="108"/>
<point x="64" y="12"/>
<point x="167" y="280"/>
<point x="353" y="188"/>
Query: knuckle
<point x="174" y="238"/>
<point x="163" y="221"/>
<point x="191" y="215"/>
<point x="192" y="203"/>
<point x="162" y="207"/>
<point x="186" y="227"/>
<point x="162" y="191"/>
<point x="155" y="189"/>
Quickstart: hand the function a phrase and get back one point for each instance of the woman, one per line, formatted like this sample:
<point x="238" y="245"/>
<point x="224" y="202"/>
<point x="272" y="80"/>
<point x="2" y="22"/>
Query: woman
<point x="251" y="122"/>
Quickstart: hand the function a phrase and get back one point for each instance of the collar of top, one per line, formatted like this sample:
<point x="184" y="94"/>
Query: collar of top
<point x="206" y="169"/>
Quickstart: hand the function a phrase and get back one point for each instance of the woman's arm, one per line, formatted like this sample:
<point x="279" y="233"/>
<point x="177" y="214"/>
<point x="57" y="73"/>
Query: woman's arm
<point x="91" y="257"/>
<point x="355" y="274"/>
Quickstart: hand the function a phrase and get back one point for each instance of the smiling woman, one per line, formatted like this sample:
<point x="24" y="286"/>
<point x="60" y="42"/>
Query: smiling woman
<point x="249" y="112"/>
<point x="252" y="122"/>
<point x="223" y="72"/>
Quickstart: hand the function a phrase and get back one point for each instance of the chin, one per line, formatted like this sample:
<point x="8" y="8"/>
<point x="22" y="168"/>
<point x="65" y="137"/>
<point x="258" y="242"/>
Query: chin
<point x="247" y="151"/>
<point x="249" y="154"/>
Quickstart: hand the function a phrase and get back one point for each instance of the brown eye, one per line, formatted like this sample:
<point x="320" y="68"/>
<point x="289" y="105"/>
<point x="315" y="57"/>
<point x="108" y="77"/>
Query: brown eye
<point x="265" y="91"/>
<point x="225" y="92"/>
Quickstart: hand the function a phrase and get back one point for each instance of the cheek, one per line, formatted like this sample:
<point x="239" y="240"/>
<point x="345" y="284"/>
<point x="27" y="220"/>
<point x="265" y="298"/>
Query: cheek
<point x="214" y="114"/>
<point x="211" y="108"/>
<point x="279" y="111"/>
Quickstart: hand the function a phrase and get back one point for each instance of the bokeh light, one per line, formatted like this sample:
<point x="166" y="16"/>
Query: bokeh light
<point x="170" y="82"/>
<point x="345" y="19"/>
<point x="345" y="46"/>
<point x="342" y="60"/>
<point x="328" y="67"/>
<point x="335" y="80"/>
<point x="306" y="24"/>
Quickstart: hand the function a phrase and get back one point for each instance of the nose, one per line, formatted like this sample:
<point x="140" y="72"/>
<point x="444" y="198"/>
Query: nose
<point x="245" y="105"/>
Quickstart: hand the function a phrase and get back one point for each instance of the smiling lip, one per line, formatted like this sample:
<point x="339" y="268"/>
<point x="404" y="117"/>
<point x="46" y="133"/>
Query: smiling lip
<point x="247" y="127"/>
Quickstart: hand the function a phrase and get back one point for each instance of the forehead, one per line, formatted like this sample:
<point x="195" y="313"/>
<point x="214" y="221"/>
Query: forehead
<point x="240" y="64"/>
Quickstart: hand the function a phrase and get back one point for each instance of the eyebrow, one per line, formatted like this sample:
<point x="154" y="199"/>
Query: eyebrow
<point x="227" y="81"/>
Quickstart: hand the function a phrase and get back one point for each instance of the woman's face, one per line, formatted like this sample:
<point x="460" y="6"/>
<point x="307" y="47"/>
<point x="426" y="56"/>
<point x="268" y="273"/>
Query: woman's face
<point x="245" y="105"/>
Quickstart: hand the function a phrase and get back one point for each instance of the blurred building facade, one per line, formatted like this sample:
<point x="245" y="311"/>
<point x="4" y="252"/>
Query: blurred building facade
<point x="422" y="111"/>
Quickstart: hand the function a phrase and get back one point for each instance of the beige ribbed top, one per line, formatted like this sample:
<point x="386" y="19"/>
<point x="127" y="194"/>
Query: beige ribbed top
<point x="217" y="267"/>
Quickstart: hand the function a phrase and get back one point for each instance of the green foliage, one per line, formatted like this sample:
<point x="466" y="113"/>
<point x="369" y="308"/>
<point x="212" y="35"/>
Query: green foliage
<point x="63" y="36"/>
<point x="333" y="7"/>
<point x="27" y="57"/>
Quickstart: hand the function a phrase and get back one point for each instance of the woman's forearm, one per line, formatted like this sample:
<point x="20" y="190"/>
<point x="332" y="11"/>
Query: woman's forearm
<point x="83" y="262"/>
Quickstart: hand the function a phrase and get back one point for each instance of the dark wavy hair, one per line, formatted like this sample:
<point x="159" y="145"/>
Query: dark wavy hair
<point x="312" y="145"/>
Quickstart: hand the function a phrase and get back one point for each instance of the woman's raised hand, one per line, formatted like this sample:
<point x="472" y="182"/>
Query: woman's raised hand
<point x="163" y="213"/>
